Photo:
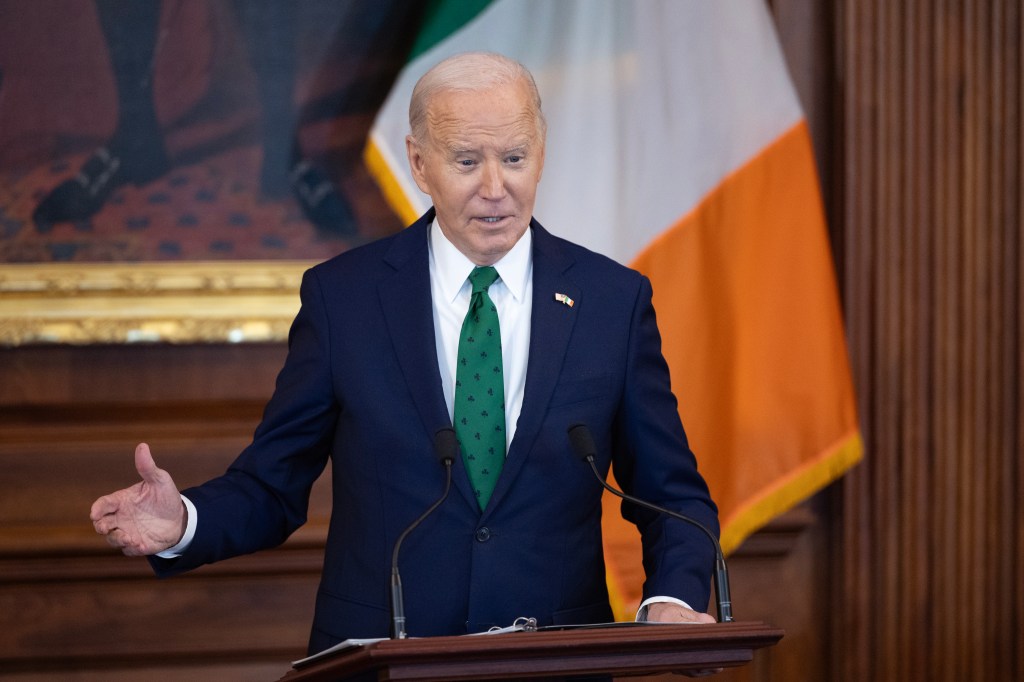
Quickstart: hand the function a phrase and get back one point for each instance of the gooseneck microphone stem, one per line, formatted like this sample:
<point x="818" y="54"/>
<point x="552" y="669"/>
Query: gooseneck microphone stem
<point x="445" y="447"/>
<point x="583" y="443"/>
<point x="397" y="600"/>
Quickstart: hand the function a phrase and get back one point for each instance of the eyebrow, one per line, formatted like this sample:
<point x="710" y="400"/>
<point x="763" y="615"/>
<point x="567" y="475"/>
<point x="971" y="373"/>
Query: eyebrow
<point x="456" y="149"/>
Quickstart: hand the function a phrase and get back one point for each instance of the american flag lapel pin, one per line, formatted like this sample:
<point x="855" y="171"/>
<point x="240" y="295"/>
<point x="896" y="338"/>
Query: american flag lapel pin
<point x="562" y="298"/>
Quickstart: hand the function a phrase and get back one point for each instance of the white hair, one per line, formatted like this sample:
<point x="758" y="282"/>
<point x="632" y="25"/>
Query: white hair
<point x="470" y="72"/>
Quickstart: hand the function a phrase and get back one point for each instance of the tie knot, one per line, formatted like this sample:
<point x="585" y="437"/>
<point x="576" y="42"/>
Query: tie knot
<point x="482" y="278"/>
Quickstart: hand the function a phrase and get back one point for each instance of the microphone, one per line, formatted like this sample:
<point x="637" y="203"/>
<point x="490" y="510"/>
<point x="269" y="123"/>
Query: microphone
<point x="446" y="448"/>
<point x="583" y="444"/>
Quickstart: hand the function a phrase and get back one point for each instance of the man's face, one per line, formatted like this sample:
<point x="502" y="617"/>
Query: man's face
<point x="480" y="164"/>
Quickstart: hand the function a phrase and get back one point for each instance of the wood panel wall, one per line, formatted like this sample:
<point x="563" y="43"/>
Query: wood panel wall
<point x="71" y="607"/>
<point x="909" y="568"/>
<point x="930" y="572"/>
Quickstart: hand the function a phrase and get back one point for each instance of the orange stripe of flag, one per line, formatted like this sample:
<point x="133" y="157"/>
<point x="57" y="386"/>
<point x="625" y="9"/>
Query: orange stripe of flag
<point x="752" y="331"/>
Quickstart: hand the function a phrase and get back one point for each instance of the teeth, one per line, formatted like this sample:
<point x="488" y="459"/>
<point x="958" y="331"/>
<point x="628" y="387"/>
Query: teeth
<point x="491" y="220"/>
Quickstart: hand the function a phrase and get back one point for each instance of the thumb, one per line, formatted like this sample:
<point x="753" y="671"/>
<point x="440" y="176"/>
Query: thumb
<point x="145" y="465"/>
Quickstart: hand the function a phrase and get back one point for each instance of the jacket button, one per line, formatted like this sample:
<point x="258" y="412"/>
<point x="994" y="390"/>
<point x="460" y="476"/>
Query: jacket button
<point x="483" y="534"/>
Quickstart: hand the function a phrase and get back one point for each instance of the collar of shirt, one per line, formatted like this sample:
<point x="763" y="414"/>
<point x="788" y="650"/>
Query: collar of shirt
<point x="450" y="268"/>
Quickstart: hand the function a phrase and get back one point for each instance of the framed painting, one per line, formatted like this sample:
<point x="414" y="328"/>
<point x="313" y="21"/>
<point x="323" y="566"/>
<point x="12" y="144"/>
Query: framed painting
<point x="171" y="170"/>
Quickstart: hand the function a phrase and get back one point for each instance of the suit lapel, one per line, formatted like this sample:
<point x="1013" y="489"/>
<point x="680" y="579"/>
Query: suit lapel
<point x="550" y="329"/>
<point x="409" y="313"/>
<point x="406" y="303"/>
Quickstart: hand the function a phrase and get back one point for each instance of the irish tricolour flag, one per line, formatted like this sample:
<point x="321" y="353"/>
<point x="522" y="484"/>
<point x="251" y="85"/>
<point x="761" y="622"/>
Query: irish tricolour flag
<point x="676" y="145"/>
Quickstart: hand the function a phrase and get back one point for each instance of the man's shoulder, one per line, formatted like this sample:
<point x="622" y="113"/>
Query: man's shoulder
<point x="583" y="261"/>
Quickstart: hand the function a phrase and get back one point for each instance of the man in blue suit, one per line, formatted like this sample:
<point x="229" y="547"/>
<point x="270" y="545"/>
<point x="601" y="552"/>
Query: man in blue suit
<point x="381" y="356"/>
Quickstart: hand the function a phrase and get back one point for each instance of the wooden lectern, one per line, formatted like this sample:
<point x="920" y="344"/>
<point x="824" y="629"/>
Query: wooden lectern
<point x="646" y="649"/>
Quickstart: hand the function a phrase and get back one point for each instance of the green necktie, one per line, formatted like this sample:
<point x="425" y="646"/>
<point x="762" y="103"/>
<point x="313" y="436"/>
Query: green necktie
<point x="480" y="389"/>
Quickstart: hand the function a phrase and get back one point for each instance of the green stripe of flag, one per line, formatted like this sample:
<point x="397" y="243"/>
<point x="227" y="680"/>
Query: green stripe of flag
<point x="443" y="18"/>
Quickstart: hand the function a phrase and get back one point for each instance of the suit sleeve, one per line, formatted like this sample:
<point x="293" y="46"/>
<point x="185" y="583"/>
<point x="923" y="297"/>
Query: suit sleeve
<point x="653" y="462"/>
<point x="264" y="495"/>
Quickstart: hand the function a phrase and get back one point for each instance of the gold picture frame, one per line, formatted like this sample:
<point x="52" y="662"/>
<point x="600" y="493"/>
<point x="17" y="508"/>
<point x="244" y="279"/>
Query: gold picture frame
<point x="158" y="302"/>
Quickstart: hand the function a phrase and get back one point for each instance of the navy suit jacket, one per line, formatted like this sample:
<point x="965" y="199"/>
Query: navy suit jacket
<point x="361" y="385"/>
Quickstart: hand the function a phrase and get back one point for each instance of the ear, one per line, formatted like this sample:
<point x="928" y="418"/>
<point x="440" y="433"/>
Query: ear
<point x="417" y="163"/>
<point x="540" y="171"/>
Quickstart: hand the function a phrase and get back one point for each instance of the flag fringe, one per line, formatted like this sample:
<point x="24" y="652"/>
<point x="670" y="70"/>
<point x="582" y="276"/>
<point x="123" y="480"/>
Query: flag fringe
<point x="791" y="490"/>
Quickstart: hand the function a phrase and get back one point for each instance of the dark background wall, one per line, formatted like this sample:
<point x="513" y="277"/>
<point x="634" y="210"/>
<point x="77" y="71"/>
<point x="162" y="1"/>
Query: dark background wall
<point x="910" y="567"/>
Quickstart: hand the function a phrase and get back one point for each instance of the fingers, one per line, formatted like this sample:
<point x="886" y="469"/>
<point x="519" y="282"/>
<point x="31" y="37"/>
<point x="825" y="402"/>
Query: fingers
<point x="688" y="616"/>
<point x="125" y="538"/>
<point x="152" y="475"/>
<point x="145" y="465"/>
<point x="111" y="504"/>
<point x="121" y="540"/>
<point x="105" y="505"/>
<point x="668" y="612"/>
<point x="105" y="511"/>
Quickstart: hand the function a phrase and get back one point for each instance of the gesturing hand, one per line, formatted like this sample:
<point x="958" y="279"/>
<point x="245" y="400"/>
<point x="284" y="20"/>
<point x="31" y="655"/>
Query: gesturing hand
<point x="146" y="518"/>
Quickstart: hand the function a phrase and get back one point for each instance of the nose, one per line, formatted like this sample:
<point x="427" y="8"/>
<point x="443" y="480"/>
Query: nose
<point x="492" y="181"/>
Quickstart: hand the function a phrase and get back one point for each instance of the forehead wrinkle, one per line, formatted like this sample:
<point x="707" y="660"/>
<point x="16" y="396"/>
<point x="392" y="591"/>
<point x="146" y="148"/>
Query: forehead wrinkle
<point x="453" y="133"/>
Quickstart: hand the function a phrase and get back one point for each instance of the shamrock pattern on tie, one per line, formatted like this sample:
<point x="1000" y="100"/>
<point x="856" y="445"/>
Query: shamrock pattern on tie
<point x="480" y="389"/>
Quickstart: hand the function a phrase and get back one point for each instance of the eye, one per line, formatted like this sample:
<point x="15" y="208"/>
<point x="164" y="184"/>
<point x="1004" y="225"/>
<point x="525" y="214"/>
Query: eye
<point x="466" y="163"/>
<point x="514" y="158"/>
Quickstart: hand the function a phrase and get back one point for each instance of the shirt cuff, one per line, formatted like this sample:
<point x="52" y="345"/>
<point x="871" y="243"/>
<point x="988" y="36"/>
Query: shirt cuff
<point x="190" y="532"/>
<point x="641" y="613"/>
